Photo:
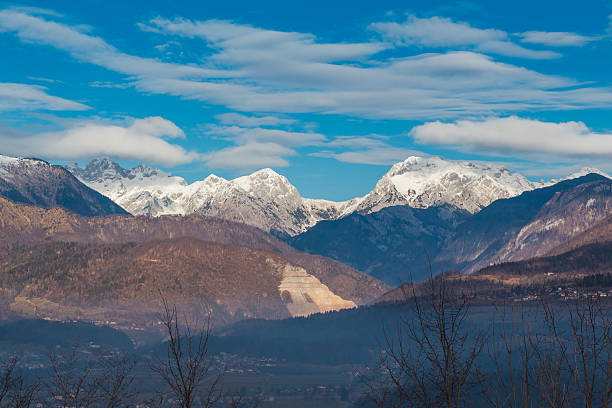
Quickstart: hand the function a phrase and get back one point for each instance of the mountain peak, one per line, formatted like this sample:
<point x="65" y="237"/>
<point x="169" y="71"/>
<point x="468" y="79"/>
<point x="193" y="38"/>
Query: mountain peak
<point x="267" y="172"/>
<point x="423" y="182"/>
<point x="587" y="170"/>
<point x="100" y="168"/>
<point x="265" y="180"/>
<point x="36" y="182"/>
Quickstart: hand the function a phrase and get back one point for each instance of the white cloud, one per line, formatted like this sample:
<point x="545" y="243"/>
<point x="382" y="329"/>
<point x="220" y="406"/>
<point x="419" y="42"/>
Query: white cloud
<point x="243" y="42"/>
<point x="250" y="156"/>
<point x="88" y="48"/>
<point x="33" y="97"/>
<point x="511" y="49"/>
<point x="555" y="39"/>
<point x="435" y="32"/>
<point x="513" y="134"/>
<point x="256" y="147"/>
<point x="250" y="69"/>
<point x="105" y="84"/>
<point x="252" y="121"/>
<point x="142" y="140"/>
<point x="242" y="135"/>
<point x="443" y="32"/>
<point x="376" y="156"/>
<point x="370" y="149"/>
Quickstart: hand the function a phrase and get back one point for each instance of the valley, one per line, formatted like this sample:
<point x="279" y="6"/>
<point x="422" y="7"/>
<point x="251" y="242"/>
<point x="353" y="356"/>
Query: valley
<point x="300" y="294"/>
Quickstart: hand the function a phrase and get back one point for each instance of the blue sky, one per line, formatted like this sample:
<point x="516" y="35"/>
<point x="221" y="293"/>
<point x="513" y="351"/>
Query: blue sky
<point x="329" y="94"/>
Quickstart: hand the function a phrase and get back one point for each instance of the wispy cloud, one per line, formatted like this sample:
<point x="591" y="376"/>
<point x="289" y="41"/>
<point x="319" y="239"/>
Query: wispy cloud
<point x="252" y="155"/>
<point x="556" y="39"/>
<point x="371" y="149"/>
<point x="141" y="139"/>
<point x="250" y="69"/>
<point x="252" y="121"/>
<point x="242" y="135"/>
<point x="444" y="32"/>
<point x="518" y="135"/>
<point x="254" y="147"/>
<point x="382" y="156"/>
<point x="33" y="97"/>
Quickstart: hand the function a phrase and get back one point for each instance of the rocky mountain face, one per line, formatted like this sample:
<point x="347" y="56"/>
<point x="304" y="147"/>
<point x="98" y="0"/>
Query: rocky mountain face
<point x="597" y="234"/>
<point x="268" y="201"/>
<point x="263" y="199"/>
<point x="36" y="182"/>
<point x="529" y="225"/>
<point x="421" y="182"/>
<point x="394" y="244"/>
<point x="57" y="264"/>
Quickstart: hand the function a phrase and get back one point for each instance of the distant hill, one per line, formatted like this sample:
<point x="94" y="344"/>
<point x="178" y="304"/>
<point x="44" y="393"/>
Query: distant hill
<point x="584" y="269"/>
<point x="56" y="264"/>
<point x="36" y="182"/>
<point x="391" y="244"/>
<point x="49" y="334"/>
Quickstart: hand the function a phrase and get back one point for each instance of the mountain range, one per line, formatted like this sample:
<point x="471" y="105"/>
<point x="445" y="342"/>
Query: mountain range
<point x="101" y="242"/>
<point x="270" y="202"/>
<point x="400" y="243"/>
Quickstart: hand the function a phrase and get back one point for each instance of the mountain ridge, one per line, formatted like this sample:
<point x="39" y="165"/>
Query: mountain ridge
<point x="268" y="200"/>
<point x="396" y="244"/>
<point x="37" y="182"/>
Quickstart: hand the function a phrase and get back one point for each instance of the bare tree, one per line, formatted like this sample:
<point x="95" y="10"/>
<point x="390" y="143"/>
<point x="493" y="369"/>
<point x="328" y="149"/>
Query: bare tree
<point x="186" y="369"/>
<point x="429" y="359"/>
<point x="551" y="354"/>
<point x="72" y="383"/>
<point x="587" y="346"/>
<point x="14" y="391"/>
<point x="509" y="380"/>
<point x="115" y="382"/>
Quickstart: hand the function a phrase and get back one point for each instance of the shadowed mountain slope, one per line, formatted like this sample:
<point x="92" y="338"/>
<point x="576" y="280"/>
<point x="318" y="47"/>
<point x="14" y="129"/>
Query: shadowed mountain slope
<point x="33" y="181"/>
<point x="393" y="244"/>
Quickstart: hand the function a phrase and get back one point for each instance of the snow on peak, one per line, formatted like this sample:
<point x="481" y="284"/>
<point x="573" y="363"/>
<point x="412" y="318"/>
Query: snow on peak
<point x="264" y="199"/>
<point x="431" y="181"/>
<point x="587" y="170"/>
<point x="268" y="200"/>
<point x="580" y="173"/>
<point x="8" y="165"/>
<point x="268" y="183"/>
<point x="6" y="160"/>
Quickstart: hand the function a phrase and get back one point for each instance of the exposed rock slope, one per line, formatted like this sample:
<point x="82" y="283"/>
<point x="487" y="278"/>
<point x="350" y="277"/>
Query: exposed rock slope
<point x="529" y="225"/>
<point x="225" y="256"/>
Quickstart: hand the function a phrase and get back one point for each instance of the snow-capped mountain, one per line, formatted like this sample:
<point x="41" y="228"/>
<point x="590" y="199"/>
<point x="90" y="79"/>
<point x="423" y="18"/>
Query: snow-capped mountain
<point x="36" y="182"/>
<point x="267" y="200"/>
<point x="422" y="182"/>
<point x="264" y="199"/>
<point x="580" y="173"/>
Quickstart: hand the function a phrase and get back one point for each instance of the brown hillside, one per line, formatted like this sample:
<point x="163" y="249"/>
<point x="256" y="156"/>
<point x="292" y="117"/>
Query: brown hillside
<point x="31" y="225"/>
<point x="122" y="282"/>
<point x="583" y="269"/>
